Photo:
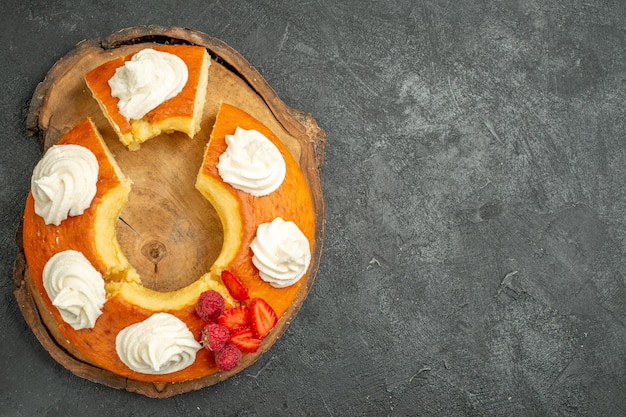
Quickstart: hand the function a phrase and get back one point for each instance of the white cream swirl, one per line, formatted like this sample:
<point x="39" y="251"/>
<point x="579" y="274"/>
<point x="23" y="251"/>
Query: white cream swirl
<point x="251" y="163"/>
<point x="161" y="344"/>
<point x="148" y="79"/>
<point x="75" y="287"/>
<point x="64" y="182"/>
<point x="281" y="252"/>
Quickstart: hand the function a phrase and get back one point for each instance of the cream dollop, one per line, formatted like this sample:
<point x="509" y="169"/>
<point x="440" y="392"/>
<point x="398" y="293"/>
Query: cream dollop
<point x="75" y="287"/>
<point x="148" y="79"/>
<point x="281" y="252"/>
<point x="64" y="182"/>
<point x="251" y="163"/>
<point x="161" y="344"/>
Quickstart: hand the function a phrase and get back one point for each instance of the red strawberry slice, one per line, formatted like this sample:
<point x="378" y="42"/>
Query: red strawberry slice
<point x="235" y="287"/>
<point x="262" y="317"/>
<point x="245" y="340"/>
<point x="235" y="318"/>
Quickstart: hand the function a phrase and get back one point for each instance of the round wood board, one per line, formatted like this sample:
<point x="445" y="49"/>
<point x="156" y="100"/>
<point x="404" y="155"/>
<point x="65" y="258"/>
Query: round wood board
<point x="160" y="230"/>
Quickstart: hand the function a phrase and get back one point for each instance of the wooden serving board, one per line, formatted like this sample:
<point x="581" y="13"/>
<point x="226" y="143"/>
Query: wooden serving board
<point x="168" y="231"/>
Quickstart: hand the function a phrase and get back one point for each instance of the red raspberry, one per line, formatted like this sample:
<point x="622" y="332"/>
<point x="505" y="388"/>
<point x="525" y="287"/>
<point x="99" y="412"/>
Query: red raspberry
<point x="210" y="305"/>
<point x="214" y="337"/>
<point x="228" y="358"/>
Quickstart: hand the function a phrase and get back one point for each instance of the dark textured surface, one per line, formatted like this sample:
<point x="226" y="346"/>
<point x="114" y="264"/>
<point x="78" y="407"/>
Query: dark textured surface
<point x="476" y="212"/>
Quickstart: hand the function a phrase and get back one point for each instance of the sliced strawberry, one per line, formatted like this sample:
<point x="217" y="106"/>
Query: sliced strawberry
<point x="245" y="340"/>
<point x="262" y="317"/>
<point x="235" y="287"/>
<point x="234" y="318"/>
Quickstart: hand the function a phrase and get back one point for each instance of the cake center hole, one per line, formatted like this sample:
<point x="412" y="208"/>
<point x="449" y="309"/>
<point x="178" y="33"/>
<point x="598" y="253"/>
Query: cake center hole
<point x="168" y="231"/>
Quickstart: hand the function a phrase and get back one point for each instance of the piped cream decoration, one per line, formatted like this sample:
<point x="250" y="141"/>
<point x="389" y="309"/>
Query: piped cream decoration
<point x="251" y="163"/>
<point x="75" y="287"/>
<point x="148" y="79"/>
<point x="64" y="182"/>
<point x="281" y="252"/>
<point x="161" y="344"/>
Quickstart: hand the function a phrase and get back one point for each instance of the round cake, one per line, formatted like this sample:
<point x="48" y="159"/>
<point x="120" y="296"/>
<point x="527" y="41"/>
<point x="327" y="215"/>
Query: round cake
<point x="95" y="303"/>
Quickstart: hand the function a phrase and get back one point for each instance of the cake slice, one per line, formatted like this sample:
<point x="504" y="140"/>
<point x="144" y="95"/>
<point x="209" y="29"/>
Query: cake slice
<point x="182" y="112"/>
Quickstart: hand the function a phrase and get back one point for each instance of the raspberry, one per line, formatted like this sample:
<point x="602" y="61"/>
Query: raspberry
<point x="228" y="358"/>
<point x="210" y="305"/>
<point x="214" y="336"/>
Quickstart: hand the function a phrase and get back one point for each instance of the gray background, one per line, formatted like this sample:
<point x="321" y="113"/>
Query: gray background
<point x="473" y="182"/>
